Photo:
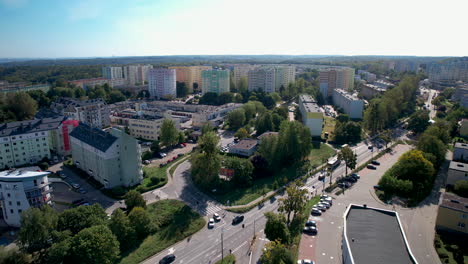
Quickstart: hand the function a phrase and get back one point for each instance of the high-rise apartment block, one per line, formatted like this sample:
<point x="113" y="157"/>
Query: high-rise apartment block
<point x="447" y="73"/>
<point x="270" y="78"/>
<point x="111" y="72"/>
<point x="162" y="83"/>
<point x="215" y="81"/>
<point x="242" y="71"/>
<point x="94" y="112"/>
<point x="21" y="189"/>
<point x="112" y="158"/>
<point x="312" y="115"/>
<point x="350" y="103"/>
<point x="336" y="78"/>
<point x="136" y="74"/>
<point x="190" y="75"/>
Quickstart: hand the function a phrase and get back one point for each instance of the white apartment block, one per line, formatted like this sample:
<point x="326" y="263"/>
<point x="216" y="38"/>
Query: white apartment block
<point x="312" y="115"/>
<point x="262" y="79"/>
<point x="350" y="103"/>
<point x="113" y="159"/>
<point x="162" y="83"/>
<point x="21" y="189"/>
<point x="94" y="112"/>
<point x="136" y="74"/>
<point x="111" y="72"/>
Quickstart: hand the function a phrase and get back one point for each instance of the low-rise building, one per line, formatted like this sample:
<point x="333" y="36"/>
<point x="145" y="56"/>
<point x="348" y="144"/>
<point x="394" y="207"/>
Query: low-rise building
<point x="245" y="147"/>
<point x="112" y="158"/>
<point x="265" y="135"/>
<point x="452" y="215"/>
<point x="94" y="112"/>
<point x="350" y="103"/>
<point x="312" y="115"/>
<point x="373" y="235"/>
<point x="460" y="152"/>
<point x="21" y="189"/>
<point x="6" y="87"/>
<point x="457" y="172"/>
<point x="370" y="91"/>
<point x="92" y="82"/>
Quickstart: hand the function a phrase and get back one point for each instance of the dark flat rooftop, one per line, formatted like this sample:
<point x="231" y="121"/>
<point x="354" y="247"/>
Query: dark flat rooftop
<point x="377" y="237"/>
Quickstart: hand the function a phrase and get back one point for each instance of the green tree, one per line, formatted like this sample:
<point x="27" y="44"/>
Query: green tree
<point x="155" y="148"/>
<point x="295" y="202"/>
<point x="268" y="150"/>
<point x="295" y="141"/>
<point x="461" y="188"/>
<point x="181" y="89"/>
<point x="13" y="256"/>
<point x="121" y="227"/>
<point x="242" y="86"/>
<point x="243" y="170"/>
<point x="116" y="96"/>
<point x="276" y="253"/>
<point x="236" y="119"/>
<point x="209" y="98"/>
<point x="386" y="136"/>
<point x="348" y="132"/>
<point x="140" y="221"/>
<point x="429" y="143"/>
<point x="276" y="228"/>
<point x="181" y="138"/>
<point x="95" y="244"/>
<point x="36" y="228"/>
<point x="78" y="218"/>
<point x="134" y="199"/>
<point x="264" y="123"/>
<point x="207" y="127"/>
<point x="225" y="98"/>
<point x="205" y="169"/>
<point x="241" y="133"/>
<point x="419" y="121"/>
<point x="209" y="142"/>
<point x="22" y="105"/>
<point x="168" y="133"/>
<point x="349" y="158"/>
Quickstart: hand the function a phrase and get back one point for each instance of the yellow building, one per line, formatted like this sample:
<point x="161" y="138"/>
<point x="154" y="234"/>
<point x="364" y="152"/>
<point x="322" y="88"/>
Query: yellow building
<point x="453" y="214"/>
<point x="190" y="75"/>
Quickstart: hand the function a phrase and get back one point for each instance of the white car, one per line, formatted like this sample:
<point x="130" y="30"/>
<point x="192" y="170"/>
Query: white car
<point x="211" y="223"/>
<point x="76" y="185"/>
<point x="321" y="207"/>
<point x="163" y="155"/>
<point x="216" y="217"/>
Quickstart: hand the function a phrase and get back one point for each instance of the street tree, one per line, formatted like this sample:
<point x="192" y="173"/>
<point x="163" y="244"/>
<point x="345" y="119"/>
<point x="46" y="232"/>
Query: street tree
<point x="236" y="118"/>
<point x="168" y="133"/>
<point x="419" y="121"/>
<point x="295" y="202"/>
<point x="347" y="155"/>
<point x="242" y="168"/>
<point x="276" y="253"/>
<point x="208" y="143"/>
<point x="155" y="147"/>
<point x="95" y="244"/>
<point x="81" y="217"/>
<point x="241" y="133"/>
<point x="140" y="221"/>
<point x="121" y="227"/>
<point x="429" y="143"/>
<point x="36" y="230"/>
<point x="276" y="228"/>
<point x="386" y="136"/>
<point x="134" y="199"/>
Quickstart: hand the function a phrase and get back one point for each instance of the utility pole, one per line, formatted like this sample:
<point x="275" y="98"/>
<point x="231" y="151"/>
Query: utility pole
<point x="254" y="228"/>
<point x="222" y="248"/>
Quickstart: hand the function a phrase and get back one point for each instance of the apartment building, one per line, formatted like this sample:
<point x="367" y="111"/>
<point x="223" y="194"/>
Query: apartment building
<point x="215" y="81"/>
<point x="336" y="78"/>
<point x="284" y="76"/>
<point x="162" y="83"/>
<point x="94" y="112"/>
<point x="136" y="74"/>
<point x="457" y="171"/>
<point x="350" y="103"/>
<point x="111" y="72"/>
<point x="366" y="76"/>
<point x="190" y="75"/>
<point x="312" y="115"/>
<point x="21" y="189"/>
<point x="461" y="94"/>
<point x="370" y="91"/>
<point x="92" y="82"/>
<point x="270" y="78"/>
<point x="6" y="87"/>
<point x="112" y="158"/>
<point x="464" y="127"/>
<point x="452" y="215"/>
<point x="460" y="152"/>
<point x="242" y="71"/>
<point x="406" y="66"/>
<point x="447" y="73"/>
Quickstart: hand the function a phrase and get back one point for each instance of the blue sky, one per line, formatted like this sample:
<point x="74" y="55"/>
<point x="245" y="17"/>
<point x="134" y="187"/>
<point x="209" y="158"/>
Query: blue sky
<point x="88" y="28"/>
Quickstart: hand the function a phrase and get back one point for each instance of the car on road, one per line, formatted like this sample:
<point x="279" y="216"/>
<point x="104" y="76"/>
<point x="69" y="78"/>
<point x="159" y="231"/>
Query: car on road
<point x="311" y="223"/>
<point x="211" y="223"/>
<point x="371" y="167"/>
<point x="75" y="185"/>
<point x="374" y="162"/>
<point x="310" y="230"/>
<point x="237" y="219"/>
<point x="62" y="175"/>
<point x="355" y="175"/>
<point x="216" y="217"/>
<point x="167" y="259"/>
<point x="370" y="147"/>
<point x="321" y="176"/>
<point x="316" y="211"/>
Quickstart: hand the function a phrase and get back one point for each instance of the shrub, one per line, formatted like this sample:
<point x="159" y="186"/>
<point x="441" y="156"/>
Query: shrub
<point x="44" y="166"/>
<point x="155" y="180"/>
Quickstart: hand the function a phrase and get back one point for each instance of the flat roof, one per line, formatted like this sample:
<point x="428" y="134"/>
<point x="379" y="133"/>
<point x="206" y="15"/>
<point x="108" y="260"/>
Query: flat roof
<point x="21" y="174"/>
<point x="458" y="166"/>
<point x="453" y="201"/>
<point x="461" y="145"/>
<point x="375" y="236"/>
<point x="246" y="144"/>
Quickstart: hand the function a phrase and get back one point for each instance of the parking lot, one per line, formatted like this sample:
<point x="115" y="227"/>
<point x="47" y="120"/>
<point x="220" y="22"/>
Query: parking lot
<point x="171" y="154"/>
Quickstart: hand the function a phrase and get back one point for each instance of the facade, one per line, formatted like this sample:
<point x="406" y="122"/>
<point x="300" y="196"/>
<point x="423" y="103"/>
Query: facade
<point x="312" y="115"/>
<point x="447" y="73"/>
<point x="461" y="94"/>
<point x="242" y="71"/>
<point x="460" y="152"/>
<point x="90" y="83"/>
<point x="457" y="172"/>
<point x="245" y="147"/>
<point x="28" y="142"/>
<point x="284" y="76"/>
<point x="6" y="87"/>
<point x="21" y="189"/>
<point x="373" y="235"/>
<point x="136" y="74"/>
<point x="350" y="103"/>
<point x="190" y="75"/>
<point x="366" y="76"/>
<point x="110" y="72"/>
<point x="464" y="128"/>
<point x="215" y="81"/>
<point x="262" y="79"/>
<point x="94" y="112"/>
<point x="453" y="214"/>
<point x="370" y="91"/>
<point x="112" y="158"/>
<point x="336" y="78"/>
<point x="406" y="66"/>
<point x="162" y="83"/>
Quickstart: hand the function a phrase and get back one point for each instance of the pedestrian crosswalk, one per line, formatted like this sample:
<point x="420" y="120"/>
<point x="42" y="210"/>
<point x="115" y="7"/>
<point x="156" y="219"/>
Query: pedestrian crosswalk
<point x="208" y="209"/>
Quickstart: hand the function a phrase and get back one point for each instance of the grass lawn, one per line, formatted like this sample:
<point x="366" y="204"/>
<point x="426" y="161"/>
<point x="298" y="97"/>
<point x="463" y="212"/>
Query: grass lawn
<point x="444" y="245"/>
<point x="307" y="209"/>
<point x="177" y="221"/>
<point x="229" y="259"/>
<point x="329" y="126"/>
<point x="319" y="153"/>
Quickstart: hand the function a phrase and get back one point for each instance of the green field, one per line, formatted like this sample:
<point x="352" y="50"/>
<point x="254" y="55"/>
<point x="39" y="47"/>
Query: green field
<point x="176" y="222"/>
<point x="329" y="126"/>
<point x="317" y="154"/>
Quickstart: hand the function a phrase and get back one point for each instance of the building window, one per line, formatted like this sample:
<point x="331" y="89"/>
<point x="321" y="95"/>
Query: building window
<point x="20" y="211"/>
<point x="8" y="195"/>
<point x="18" y="203"/>
<point x="461" y="225"/>
<point x="11" y="210"/>
<point x="9" y="203"/>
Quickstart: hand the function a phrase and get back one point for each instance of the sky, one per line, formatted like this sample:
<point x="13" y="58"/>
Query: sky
<point x="104" y="28"/>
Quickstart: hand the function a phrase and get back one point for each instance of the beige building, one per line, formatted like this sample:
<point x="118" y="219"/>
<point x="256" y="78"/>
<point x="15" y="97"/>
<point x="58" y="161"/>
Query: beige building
<point x="190" y="75"/>
<point x="453" y="214"/>
<point x="457" y="172"/>
<point x="370" y="91"/>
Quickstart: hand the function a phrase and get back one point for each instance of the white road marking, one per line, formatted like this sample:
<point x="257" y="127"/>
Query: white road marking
<point x="171" y="250"/>
<point x="323" y="254"/>
<point x="237" y="248"/>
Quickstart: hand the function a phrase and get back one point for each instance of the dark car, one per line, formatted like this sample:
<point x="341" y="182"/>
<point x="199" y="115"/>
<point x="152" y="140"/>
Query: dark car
<point x="370" y="147"/>
<point x="375" y="162"/>
<point x="76" y="202"/>
<point x="237" y="219"/>
<point x="311" y="223"/>
<point x="372" y="167"/>
<point x="316" y="211"/>
<point x="344" y="185"/>
<point x="167" y="259"/>
<point x="350" y="179"/>
<point x="310" y="230"/>
<point x="355" y="175"/>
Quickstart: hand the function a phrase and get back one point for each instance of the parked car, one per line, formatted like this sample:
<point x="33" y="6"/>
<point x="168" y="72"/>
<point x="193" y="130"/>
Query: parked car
<point x="310" y="230"/>
<point x="321" y="207"/>
<point x="325" y="204"/>
<point x="355" y="175"/>
<point x="146" y="162"/>
<point x="163" y="154"/>
<point x="211" y="223"/>
<point x="372" y="167"/>
<point x="167" y="259"/>
<point x="350" y="179"/>
<point x="375" y="162"/>
<point x="62" y="175"/>
<point x="377" y="187"/>
<point x="321" y="176"/>
<point x="83" y="191"/>
<point x="184" y="144"/>
<point x="305" y="261"/>
<point x="344" y="184"/>
<point x="180" y="155"/>
<point x="324" y="196"/>
<point x="237" y="219"/>
<point x="216" y="217"/>
<point x="328" y="200"/>
<point x="311" y="223"/>
<point x="75" y="185"/>
<point x="370" y="147"/>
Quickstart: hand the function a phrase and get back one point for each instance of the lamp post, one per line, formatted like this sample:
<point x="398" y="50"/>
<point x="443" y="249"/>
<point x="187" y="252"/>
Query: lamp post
<point x="222" y="248"/>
